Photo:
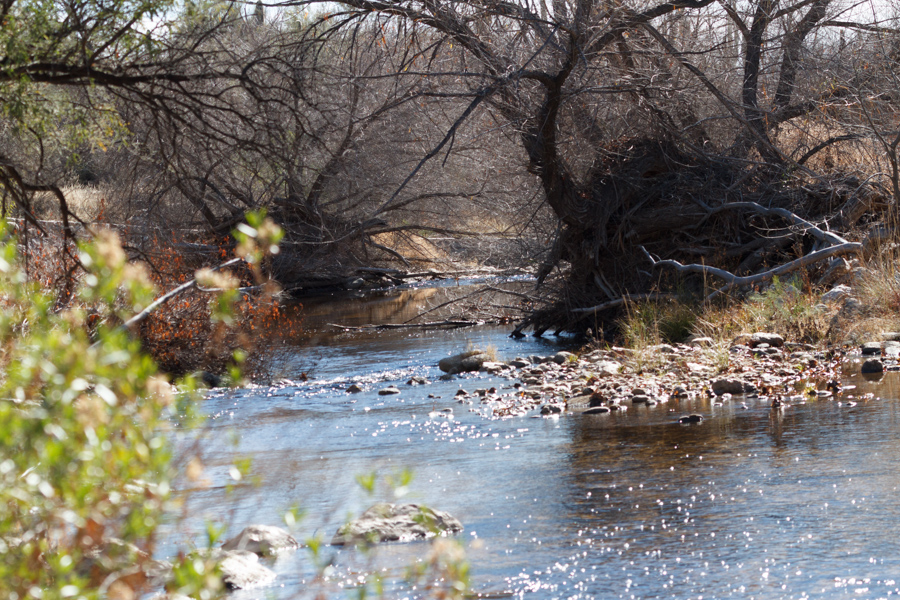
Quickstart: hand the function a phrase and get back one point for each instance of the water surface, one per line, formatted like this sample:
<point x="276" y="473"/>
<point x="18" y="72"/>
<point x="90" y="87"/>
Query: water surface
<point x="750" y="503"/>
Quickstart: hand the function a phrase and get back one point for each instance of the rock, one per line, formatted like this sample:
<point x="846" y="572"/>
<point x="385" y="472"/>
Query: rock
<point x="772" y="339"/>
<point x="493" y="368"/>
<point x="467" y="361"/>
<point x="742" y="339"/>
<point x="417" y="380"/>
<point x="837" y="294"/>
<point x="679" y="391"/>
<point x="691" y="419"/>
<point x="850" y="308"/>
<point x="461" y="392"/>
<point x="891" y="336"/>
<point x="870" y="348"/>
<point x="519" y="363"/>
<point x="262" y="540"/>
<point x="640" y="399"/>
<point x="732" y="386"/>
<point x="241" y="570"/>
<point x="596" y="410"/>
<point x="606" y="368"/>
<point x="354" y="389"/>
<point x="385" y="522"/>
<point x="662" y="349"/>
<point x="702" y="342"/>
<point x="873" y="365"/>
<point x="210" y="380"/>
<point x="551" y="409"/>
<point x="392" y="389"/>
<point x="563" y="357"/>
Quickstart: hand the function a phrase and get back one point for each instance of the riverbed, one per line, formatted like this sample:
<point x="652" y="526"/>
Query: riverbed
<point x="750" y="503"/>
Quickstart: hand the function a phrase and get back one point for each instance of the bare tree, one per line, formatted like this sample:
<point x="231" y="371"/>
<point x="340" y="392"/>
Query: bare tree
<point x="647" y="125"/>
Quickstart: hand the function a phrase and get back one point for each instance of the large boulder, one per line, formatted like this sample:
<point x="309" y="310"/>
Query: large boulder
<point x="467" y="361"/>
<point x="262" y="540"/>
<point x="385" y="522"/>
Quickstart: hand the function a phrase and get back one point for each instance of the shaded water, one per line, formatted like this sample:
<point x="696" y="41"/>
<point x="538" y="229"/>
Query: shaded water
<point x="755" y="503"/>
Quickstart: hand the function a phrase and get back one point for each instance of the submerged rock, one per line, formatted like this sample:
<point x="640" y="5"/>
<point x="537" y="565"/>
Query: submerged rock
<point x="385" y="522"/>
<point x="262" y="540"/>
<point x="691" y="419"/>
<point x="872" y="365"/>
<point x="467" y="361"/>
<point x="241" y="570"/>
<point x="354" y="389"/>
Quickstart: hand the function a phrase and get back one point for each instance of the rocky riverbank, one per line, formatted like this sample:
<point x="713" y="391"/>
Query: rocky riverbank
<point x="758" y="367"/>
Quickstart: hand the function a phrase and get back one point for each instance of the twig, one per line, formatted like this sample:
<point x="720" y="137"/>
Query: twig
<point x="825" y="236"/>
<point x="166" y="297"/>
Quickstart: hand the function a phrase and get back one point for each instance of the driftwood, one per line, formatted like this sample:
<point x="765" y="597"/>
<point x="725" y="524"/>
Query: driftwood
<point x="736" y="281"/>
<point x="451" y="324"/>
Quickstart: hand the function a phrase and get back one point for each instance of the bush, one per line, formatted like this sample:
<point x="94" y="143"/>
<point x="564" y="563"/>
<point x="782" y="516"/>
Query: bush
<point x="85" y="459"/>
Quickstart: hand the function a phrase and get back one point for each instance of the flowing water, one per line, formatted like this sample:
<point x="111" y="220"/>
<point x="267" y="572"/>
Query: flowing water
<point x="750" y="503"/>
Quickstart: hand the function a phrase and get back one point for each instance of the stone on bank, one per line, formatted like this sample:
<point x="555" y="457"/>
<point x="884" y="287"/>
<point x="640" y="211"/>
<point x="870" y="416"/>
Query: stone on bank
<point x="471" y="360"/>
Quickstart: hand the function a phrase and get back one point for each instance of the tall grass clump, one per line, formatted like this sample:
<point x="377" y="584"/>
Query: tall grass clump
<point x="651" y="323"/>
<point x="790" y="307"/>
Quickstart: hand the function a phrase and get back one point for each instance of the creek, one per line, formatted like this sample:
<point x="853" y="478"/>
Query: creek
<point x="755" y="503"/>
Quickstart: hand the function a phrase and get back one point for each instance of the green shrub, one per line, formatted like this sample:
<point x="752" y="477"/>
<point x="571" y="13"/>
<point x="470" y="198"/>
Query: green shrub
<point x="85" y="459"/>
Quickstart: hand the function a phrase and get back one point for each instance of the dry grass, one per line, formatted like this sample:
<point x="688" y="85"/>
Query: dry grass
<point x="89" y="203"/>
<point x="414" y="248"/>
